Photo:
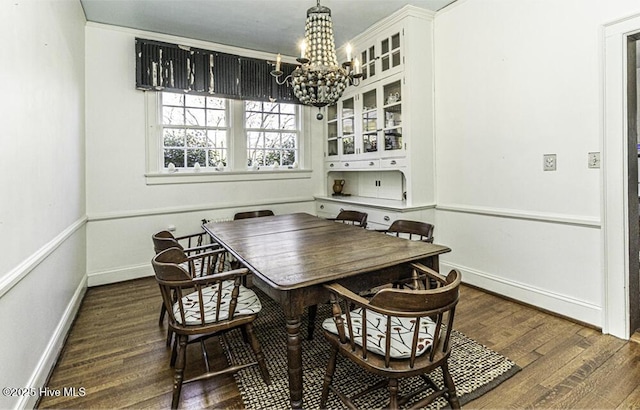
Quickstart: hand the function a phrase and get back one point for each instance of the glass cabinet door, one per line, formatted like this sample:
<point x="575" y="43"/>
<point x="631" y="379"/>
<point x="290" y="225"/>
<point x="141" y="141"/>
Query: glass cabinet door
<point x="368" y="62"/>
<point x="348" y="126"/>
<point x="393" y="116"/>
<point x="390" y="55"/>
<point x="332" y="131"/>
<point x="369" y="141"/>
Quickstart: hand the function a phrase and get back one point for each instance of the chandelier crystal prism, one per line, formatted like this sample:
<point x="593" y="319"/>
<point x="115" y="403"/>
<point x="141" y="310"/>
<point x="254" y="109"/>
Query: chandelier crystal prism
<point x="319" y="80"/>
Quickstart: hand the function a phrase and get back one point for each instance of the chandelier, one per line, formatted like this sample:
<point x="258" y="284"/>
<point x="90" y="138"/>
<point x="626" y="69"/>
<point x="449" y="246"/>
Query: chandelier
<point x="319" y="80"/>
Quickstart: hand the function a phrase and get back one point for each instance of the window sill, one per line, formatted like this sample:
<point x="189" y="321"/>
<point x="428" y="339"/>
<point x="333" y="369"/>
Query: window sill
<point x="191" y="177"/>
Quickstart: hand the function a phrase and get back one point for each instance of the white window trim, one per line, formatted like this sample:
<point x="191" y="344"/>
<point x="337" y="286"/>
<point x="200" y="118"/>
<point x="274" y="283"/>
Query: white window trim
<point x="237" y="169"/>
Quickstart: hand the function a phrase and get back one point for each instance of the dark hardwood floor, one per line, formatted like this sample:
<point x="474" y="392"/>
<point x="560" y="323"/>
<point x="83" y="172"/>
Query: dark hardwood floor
<point x="116" y="351"/>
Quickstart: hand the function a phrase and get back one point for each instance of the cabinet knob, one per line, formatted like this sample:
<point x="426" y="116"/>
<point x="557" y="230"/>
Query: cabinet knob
<point x="393" y="162"/>
<point x="321" y="206"/>
<point x="386" y="218"/>
<point x="371" y="163"/>
<point x="331" y="165"/>
<point x="346" y="164"/>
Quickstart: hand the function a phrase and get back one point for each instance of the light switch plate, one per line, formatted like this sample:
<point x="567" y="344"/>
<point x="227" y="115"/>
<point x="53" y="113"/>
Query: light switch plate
<point x="549" y="162"/>
<point x="594" y="160"/>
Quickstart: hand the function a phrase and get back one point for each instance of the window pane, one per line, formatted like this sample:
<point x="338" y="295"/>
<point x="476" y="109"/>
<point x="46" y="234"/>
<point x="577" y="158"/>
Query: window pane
<point x="288" y="141"/>
<point x="196" y="155"/>
<point x="172" y="116"/>
<point x="217" y="103"/>
<point x="194" y="116"/>
<point x="196" y="138"/>
<point x="288" y="157"/>
<point x="288" y="108"/>
<point x="253" y="120"/>
<point x="216" y="118"/>
<point x="173" y="137"/>
<point x="217" y="157"/>
<point x="395" y="41"/>
<point x="271" y="107"/>
<point x="288" y="122"/>
<point x="253" y="106"/>
<point x="174" y="156"/>
<point x="271" y="157"/>
<point x="217" y="138"/>
<point x="271" y="121"/>
<point x="194" y="100"/>
<point x="255" y="140"/>
<point x="255" y="157"/>
<point x="172" y="99"/>
<point x="272" y="140"/>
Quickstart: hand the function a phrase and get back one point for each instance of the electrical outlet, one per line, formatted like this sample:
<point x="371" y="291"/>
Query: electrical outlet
<point x="594" y="160"/>
<point x="550" y="162"/>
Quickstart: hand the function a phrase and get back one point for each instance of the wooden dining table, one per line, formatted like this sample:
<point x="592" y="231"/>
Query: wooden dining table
<point x="292" y="256"/>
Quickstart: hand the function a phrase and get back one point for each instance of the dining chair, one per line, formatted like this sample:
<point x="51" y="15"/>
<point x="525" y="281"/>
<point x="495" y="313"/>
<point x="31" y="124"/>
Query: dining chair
<point x="246" y="215"/>
<point x="407" y="334"/>
<point x="165" y="240"/>
<point x="253" y="214"/>
<point x="204" y="306"/>
<point x="352" y="218"/>
<point x="413" y="230"/>
<point x="191" y="244"/>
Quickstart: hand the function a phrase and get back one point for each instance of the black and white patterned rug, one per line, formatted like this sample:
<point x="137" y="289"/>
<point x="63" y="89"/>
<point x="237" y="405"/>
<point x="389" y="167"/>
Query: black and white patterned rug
<point x="475" y="369"/>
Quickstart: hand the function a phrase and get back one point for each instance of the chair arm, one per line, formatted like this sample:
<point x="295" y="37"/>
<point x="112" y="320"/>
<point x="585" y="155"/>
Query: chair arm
<point x="202" y="255"/>
<point x="427" y="271"/>
<point x="221" y="276"/>
<point x="197" y="249"/>
<point x="346" y="294"/>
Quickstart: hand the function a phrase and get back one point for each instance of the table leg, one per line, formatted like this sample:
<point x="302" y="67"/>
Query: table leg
<point x="294" y="361"/>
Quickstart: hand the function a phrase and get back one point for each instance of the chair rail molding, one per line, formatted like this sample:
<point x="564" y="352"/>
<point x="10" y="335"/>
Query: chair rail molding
<point x="15" y="275"/>
<point x="577" y="220"/>
<point x="139" y="213"/>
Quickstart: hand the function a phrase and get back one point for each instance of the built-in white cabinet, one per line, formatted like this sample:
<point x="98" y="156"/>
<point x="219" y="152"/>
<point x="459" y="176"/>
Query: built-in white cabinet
<point x="380" y="214"/>
<point x="379" y="136"/>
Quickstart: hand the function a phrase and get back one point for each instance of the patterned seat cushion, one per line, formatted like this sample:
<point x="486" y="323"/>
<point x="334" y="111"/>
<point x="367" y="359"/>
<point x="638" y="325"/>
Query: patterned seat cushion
<point x="248" y="304"/>
<point x="401" y="336"/>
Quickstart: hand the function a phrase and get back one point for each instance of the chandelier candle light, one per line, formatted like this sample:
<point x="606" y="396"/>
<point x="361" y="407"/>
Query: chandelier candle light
<point x="319" y="80"/>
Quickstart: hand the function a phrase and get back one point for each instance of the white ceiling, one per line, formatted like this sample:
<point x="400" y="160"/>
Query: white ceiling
<point x="273" y="26"/>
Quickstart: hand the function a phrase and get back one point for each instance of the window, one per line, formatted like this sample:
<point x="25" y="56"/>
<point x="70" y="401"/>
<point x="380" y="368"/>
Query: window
<point x="209" y="138"/>
<point x="272" y="133"/>
<point x="195" y="130"/>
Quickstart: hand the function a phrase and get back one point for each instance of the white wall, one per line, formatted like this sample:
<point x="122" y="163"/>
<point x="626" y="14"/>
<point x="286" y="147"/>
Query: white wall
<point x="123" y="210"/>
<point x="514" y="83"/>
<point x="42" y="185"/>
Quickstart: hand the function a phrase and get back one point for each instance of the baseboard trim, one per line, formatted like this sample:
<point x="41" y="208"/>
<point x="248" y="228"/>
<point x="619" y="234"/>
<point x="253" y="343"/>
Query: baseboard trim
<point x="119" y="275"/>
<point x="49" y="357"/>
<point x="562" y="305"/>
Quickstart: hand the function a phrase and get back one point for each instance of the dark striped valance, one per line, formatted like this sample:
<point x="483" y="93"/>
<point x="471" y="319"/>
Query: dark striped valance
<point x="172" y="67"/>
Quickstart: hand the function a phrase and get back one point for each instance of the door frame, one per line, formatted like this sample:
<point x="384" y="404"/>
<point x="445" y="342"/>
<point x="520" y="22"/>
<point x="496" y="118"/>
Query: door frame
<point x="620" y="291"/>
